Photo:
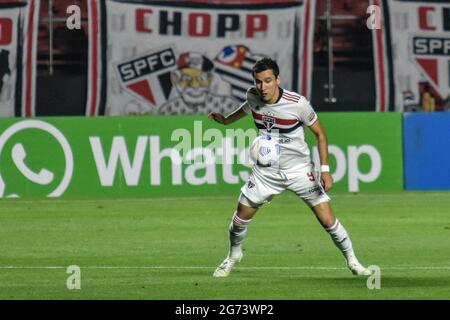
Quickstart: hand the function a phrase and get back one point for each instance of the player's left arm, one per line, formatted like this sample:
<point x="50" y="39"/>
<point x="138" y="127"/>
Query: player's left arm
<point x="322" y="145"/>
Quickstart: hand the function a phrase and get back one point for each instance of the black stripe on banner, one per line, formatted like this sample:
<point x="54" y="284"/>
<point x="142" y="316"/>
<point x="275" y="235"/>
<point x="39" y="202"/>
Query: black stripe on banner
<point x="12" y="5"/>
<point x="280" y="130"/>
<point x="232" y="75"/>
<point x="390" y="57"/>
<point x="19" y="68"/>
<point x="247" y="69"/>
<point x="251" y="60"/>
<point x="449" y="73"/>
<point x="446" y="13"/>
<point x="237" y="88"/>
<point x="208" y="5"/>
<point x="104" y="68"/>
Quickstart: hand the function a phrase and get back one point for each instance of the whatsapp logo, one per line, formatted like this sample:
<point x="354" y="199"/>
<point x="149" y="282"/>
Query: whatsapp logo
<point x="35" y="159"/>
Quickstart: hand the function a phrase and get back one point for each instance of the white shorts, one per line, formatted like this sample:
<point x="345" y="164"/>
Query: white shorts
<point x="265" y="183"/>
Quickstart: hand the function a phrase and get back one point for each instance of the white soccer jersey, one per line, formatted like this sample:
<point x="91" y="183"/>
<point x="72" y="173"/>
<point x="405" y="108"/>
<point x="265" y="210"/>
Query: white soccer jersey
<point x="284" y="120"/>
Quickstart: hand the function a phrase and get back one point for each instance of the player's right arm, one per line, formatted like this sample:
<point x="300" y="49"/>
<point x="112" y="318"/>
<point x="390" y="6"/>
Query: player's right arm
<point x="239" y="113"/>
<point x="232" y="117"/>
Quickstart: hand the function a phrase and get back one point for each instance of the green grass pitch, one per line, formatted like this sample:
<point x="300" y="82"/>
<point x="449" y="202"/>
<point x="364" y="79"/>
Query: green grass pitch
<point x="168" y="248"/>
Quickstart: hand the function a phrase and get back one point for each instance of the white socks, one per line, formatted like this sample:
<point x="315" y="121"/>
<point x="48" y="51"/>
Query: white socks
<point x="341" y="239"/>
<point x="238" y="230"/>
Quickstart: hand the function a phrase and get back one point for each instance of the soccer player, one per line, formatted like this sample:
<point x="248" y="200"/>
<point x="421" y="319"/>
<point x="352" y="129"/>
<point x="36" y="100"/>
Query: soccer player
<point x="282" y="114"/>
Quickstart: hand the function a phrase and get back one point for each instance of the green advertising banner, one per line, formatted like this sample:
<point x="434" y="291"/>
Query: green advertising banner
<point x="365" y="148"/>
<point x="182" y="155"/>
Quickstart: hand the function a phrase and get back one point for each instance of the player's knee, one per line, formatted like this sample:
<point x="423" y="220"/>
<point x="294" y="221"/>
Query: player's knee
<point x="328" y="222"/>
<point x="324" y="214"/>
<point x="245" y="212"/>
<point x="246" y="208"/>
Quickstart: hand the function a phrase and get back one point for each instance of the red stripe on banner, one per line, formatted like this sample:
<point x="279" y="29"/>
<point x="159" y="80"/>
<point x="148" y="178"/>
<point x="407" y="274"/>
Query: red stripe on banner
<point x="29" y="75"/>
<point x="94" y="57"/>
<point x="431" y="68"/>
<point x="246" y="1"/>
<point x="305" y="50"/>
<point x="380" y="64"/>
<point x="143" y="89"/>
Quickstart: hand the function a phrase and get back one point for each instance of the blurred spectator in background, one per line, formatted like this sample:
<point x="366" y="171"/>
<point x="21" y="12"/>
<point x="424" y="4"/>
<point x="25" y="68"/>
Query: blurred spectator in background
<point x="70" y="44"/>
<point x="5" y="71"/>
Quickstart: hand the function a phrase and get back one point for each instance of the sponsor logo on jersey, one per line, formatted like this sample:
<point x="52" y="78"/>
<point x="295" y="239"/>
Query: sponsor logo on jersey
<point x="284" y="140"/>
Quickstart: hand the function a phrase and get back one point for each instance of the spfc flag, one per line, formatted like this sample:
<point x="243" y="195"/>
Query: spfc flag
<point x="412" y="55"/>
<point x="181" y="57"/>
<point x="18" y="37"/>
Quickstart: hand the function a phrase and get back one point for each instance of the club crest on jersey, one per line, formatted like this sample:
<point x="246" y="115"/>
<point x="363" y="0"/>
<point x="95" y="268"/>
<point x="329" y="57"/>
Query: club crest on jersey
<point x="268" y="121"/>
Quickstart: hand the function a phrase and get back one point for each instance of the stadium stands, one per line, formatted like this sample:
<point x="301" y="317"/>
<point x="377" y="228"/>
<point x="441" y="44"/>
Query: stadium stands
<point x="351" y="59"/>
<point x="69" y="47"/>
<point x="351" y="40"/>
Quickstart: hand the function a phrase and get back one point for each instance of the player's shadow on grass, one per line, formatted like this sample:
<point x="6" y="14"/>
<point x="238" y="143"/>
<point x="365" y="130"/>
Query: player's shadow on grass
<point x="409" y="282"/>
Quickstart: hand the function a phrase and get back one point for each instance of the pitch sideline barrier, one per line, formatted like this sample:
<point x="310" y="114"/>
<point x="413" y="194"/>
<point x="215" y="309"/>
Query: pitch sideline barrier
<point x="427" y="150"/>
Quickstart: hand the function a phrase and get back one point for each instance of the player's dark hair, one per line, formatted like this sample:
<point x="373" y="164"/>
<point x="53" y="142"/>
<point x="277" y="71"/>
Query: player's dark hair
<point x="266" y="63"/>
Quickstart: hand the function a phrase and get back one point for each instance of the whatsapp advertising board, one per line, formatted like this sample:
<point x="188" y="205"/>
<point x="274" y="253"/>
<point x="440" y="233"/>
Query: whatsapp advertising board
<point x="161" y="156"/>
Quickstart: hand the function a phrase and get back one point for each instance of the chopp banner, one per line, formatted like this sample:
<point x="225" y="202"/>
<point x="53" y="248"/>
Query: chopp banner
<point x="179" y="57"/>
<point x="412" y="55"/>
<point x="168" y="156"/>
<point x="18" y="38"/>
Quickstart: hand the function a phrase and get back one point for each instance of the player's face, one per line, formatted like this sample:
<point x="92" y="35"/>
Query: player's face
<point x="267" y="85"/>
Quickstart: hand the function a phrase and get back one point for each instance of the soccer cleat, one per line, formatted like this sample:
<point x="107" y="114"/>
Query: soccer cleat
<point x="225" y="267"/>
<point x="358" y="269"/>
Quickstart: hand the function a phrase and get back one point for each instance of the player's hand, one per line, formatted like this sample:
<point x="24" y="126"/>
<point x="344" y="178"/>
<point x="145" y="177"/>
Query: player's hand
<point x="327" y="180"/>
<point x="218" y="117"/>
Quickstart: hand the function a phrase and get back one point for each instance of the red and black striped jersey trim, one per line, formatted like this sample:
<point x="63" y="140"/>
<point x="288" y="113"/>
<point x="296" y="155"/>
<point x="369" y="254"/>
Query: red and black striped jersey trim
<point x="280" y="124"/>
<point x="280" y="130"/>
<point x="281" y="121"/>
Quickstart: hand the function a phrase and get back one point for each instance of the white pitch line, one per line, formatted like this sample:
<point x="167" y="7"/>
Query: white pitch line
<point x="237" y="268"/>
